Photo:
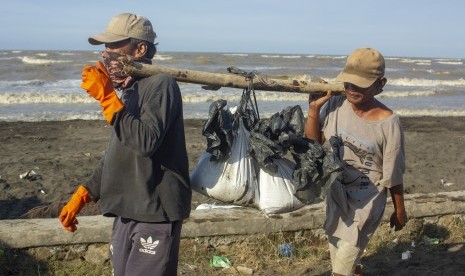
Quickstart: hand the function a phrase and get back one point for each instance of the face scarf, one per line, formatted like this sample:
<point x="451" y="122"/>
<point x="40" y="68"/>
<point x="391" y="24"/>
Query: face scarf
<point x="119" y="78"/>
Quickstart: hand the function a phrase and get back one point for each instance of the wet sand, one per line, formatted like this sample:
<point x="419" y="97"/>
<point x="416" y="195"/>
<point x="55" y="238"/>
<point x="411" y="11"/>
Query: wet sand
<point x="64" y="154"/>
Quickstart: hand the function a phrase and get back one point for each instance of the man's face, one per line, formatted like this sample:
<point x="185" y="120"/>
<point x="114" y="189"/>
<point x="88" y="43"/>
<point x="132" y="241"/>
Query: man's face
<point x="113" y="51"/>
<point x="122" y="48"/>
<point x="360" y="95"/>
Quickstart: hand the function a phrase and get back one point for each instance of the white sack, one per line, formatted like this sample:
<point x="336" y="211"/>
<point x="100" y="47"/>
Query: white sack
<point x="276" y="191"/>
<point x="233" y="180"/>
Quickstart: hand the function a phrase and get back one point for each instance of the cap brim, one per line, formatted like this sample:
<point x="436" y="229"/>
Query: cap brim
<point x="106" y="38"/>
<point x="355" y="79"/>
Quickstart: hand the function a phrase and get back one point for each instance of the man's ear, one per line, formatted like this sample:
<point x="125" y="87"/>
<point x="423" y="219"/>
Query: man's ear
<point x="141" y="50"/>
<point x="383" y="82"/>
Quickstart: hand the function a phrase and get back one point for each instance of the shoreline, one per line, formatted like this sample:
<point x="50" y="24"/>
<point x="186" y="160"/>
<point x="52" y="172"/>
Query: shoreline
<point x="64" y="154"/>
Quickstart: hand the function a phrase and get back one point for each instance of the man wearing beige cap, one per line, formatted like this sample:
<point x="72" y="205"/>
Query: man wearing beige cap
<point x="143" y="179"/>
<point x="367" y="137"/>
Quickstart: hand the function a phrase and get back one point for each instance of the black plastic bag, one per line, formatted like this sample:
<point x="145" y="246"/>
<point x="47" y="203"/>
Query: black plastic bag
<point x="270" y="139"/>
<point x="218" y="131"/>
<point x="315" y="171"/>
<point x="315" y="168"/>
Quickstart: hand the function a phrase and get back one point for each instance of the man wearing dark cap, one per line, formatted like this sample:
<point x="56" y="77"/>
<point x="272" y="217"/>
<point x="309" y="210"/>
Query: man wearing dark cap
<point x="367" y="137"/>
<point x="143" y="179"/>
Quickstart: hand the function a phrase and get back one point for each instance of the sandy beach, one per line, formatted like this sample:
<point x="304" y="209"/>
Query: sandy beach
<point x="64" y="153"/>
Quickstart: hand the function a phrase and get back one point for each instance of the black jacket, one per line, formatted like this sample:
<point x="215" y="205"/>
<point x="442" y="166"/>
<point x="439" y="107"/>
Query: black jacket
<point x="144" y="174"/>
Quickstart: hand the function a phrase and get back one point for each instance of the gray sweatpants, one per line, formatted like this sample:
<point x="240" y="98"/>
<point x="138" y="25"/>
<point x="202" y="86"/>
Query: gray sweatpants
<point x="141" y="248"/>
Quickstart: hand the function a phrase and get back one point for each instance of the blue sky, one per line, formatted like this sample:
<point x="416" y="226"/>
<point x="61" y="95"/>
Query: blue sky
<point x="396" y="28"/>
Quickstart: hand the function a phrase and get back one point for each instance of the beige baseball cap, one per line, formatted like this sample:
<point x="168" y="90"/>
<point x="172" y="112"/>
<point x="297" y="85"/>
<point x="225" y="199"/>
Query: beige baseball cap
<point x="363" y="67"/>
<point x="124" y="26"/>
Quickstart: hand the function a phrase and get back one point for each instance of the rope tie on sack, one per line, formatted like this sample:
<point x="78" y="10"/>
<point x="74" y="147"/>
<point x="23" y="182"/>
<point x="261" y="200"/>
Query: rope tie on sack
<point x="246" y="93"/>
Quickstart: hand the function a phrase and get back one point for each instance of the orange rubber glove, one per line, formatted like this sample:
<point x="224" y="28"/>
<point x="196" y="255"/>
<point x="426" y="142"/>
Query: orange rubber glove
<point x="73" y="207"/>
<point x="96" y="81"/>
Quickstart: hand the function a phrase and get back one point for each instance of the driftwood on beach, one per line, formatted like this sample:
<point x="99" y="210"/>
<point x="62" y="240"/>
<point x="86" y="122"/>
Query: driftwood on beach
<point x="217" y="80"/>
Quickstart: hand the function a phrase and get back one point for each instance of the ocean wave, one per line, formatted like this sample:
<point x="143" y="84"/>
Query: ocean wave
<point x="291" y="56"/>
<point x="8" y="58"/>
<point x="410" y="60"/>
<point x="426" y="82"/>
<point x="236" y="55"/>
<point x="41" y="98"/>
<point x="162" y="57"/>
<point x="448" y="59"/>
<point x="269" y="96"/>
<point x="32" y="60"/>
<point x="270" y="56"/>
<point x="451" y="62"/>
<point x="202" y="97"/>
<point x="435" y="72"/>
<point x="430" y="112"/>
<point x="34" y="85"/>
<point x="191" y="96"/>
<point x="22" y="83"/>
<point x="281" y="56"/>
<point x="432" y="71"/>
<point x="330" y="57"/>
<point x="51" y="116"/>
<point x="401" y="94"/>
<point x="423" y="63"/>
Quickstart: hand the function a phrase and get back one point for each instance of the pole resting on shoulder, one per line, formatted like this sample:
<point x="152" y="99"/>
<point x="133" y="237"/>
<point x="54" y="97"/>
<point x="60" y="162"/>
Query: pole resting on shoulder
<point x="216" y="80"/>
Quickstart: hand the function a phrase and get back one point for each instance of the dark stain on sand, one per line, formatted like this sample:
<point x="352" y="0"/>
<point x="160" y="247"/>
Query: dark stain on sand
<point x="296" y="214"/>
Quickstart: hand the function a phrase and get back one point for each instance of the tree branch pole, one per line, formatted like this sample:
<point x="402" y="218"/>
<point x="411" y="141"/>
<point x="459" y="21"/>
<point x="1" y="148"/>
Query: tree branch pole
<point x="266" y="83"/>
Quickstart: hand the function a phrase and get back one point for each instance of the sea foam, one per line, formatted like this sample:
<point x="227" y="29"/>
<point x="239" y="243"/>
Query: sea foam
<point x="400" y="94"/>
<point x="451" y="62"/>
<point x="32" y="60"/>
<point x="430" y="112"/>
<point x="425" y="82"/>
<point x="40" y="98"/>
<point x="162" y="57"/>
<point x="236" y="55"/>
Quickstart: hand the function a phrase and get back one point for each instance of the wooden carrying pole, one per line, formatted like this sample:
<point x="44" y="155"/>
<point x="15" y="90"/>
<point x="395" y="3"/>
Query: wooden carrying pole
<point x="217" y="80"/>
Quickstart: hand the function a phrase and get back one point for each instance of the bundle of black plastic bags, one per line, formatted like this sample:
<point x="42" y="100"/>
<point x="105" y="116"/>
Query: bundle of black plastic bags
<point x="280" y="136"/>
